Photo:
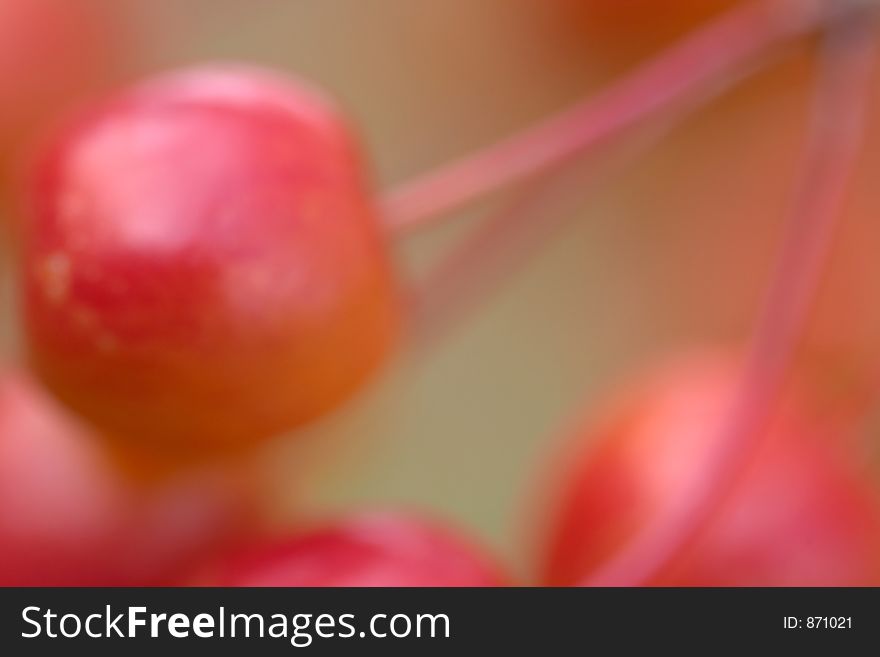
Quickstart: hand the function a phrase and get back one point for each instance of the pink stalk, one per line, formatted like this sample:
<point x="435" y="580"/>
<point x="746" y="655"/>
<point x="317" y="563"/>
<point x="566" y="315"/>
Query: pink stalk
<point x="840" y="107"/>
<point x="483" y="261"/>
<point x="689" y="67"/>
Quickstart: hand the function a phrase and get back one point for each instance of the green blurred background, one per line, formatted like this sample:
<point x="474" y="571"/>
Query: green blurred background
<point x="669" y="253"/>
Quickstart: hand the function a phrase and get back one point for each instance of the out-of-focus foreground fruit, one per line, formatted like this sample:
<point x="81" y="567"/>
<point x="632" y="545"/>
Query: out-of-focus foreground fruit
<point x="365" y="550"/>
<point x="799" y="515"/>
<point x="70" y="516"/>
<point x="52" y="52"/>
<point x="203" y="262"/>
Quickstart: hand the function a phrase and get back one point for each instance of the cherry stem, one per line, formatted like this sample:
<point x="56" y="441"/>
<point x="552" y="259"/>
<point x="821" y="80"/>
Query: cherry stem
<point x="840" y="106"/>
<point x="506" y="241"/>
<point x="502" y="244"/>
<point x="698" y="61"/>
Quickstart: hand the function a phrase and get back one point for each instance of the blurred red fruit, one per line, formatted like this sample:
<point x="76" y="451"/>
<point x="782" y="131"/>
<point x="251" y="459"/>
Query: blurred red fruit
<point x="798" y="516"/>
<point x="367" y="550"/>
<point x="70" y="517"/>
<point x="614" y="28"/>
<point x="51" y="53"/>
<point x="647" y="14"/>
<point x="204" y="265"/>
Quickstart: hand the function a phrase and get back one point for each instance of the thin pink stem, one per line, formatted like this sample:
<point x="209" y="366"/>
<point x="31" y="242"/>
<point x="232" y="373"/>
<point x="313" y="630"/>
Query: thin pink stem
<point x="502" y="244"/>
<point x="840" y="108"/>
<point x="688" y="67"/>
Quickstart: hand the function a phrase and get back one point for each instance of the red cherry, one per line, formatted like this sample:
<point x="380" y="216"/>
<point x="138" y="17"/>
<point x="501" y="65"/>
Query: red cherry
<point x="634" y="18"/>
<point x="639" y="11"/>
<point x="798" y="516"/>
<point x="367" y="550"/>
<point x="617" y="33"/>
<point x="203" y="261"/>
<point x="69" y="516"/>
<point x="51" y="53"/>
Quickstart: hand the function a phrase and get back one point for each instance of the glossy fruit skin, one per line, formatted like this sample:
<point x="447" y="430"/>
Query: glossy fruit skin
<point x="51" y="55"/>
<point x="203" y="261"/>
<point x="799" y="515"/>
<point x="70" y="516"/>
<point x="367" y="550"/>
